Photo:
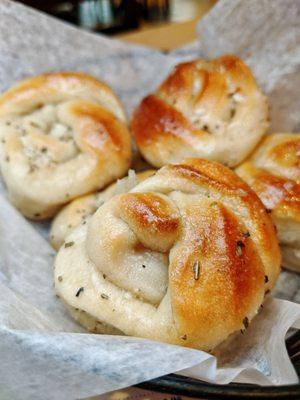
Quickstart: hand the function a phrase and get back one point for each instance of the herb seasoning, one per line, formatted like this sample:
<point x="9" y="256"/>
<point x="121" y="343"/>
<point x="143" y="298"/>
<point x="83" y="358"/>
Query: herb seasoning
<point x="196" y="270"/>
<point x="32" y="123"/>
<point x="246" y="322"/>
<point x="69" y="244"/>
<point x="239" y="248"/>
<point x="80" y="290"/>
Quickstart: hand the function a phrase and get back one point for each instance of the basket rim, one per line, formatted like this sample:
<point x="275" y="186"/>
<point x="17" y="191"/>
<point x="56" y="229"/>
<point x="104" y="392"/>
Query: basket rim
<point x="184" y="386"/>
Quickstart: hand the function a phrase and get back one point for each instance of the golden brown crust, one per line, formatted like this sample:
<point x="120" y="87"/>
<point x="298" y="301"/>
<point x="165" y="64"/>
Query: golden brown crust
<point x="151" y="216"/>
<point x="99" y="128"/>
<point x="279" y="154"/>
<point x="34" y="91"/>
<point x="279" y="195"/>
<point x="287" y="154"/>
<point x="155" y="119"/>
<point x="273" y="172"/>
<point x="80" y="209"/>
<point x="187" y="257"/>
<point x="64" y="131"/>
<point x="230" y="274"/>
<point x="212" y="177"/>
<point x="150" y="212"/>
<point x="202" y="109"/>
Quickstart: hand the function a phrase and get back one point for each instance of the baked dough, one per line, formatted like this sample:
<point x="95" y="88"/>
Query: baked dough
<point x="185" y="257"/>
<point x="62" y="135"/>
<point x="209" y="109"/>
<point x="80" y="209"/>
<point x="273" y="172"/>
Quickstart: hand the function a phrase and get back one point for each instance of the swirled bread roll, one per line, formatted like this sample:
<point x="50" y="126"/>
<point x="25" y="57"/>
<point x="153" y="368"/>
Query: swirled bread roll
<point x="185" y="257"/>
<point x="62" y="135"/>
<point x="208" y="109"/>
<point x="273" y="172"/>
<point x="80" y="209"/>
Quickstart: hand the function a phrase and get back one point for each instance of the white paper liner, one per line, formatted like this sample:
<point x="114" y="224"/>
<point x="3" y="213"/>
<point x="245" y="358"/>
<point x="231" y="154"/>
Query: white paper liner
<point x="266" y="34"/>
<point x="43" y="352"/>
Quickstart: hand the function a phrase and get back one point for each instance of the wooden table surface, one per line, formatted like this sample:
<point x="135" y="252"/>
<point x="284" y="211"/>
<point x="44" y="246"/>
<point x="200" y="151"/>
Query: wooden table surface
<point x="169" y="36"/>
<point x="165" y="37"/>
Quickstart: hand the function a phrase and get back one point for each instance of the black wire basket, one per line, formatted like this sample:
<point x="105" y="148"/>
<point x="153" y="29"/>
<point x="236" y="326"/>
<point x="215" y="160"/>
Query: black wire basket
<point x="182" y="386"/>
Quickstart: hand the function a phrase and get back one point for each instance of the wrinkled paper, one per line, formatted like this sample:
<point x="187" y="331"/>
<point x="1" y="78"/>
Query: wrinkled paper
<point x="44" y="353"/>
<point x="266" y="35"/>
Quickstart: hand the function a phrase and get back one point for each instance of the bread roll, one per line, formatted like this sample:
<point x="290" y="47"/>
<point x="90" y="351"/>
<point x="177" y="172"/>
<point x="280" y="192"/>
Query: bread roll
<point x="209" y="109"/>
<point x="62" y="135"/>
<point x="80" y="209"/>
<point x="273" y="172"/>
<point x="185" y="257"/>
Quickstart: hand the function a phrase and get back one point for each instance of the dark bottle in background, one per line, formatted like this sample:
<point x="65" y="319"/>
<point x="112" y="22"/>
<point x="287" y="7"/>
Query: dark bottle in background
<point x="108" y="16"/>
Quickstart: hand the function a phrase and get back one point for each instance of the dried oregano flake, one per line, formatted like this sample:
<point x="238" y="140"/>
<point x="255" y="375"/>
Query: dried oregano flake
<point x="68" y="244"/>
<point x="246" y="322"/>
<point x="196" y="270"/>
<point x="80" y="290"/>
<point x="239" y="248"/>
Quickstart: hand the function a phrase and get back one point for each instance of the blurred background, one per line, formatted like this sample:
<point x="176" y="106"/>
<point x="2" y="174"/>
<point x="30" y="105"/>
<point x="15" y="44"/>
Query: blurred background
<point x="162" y="24"/>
